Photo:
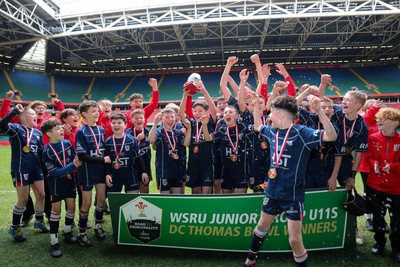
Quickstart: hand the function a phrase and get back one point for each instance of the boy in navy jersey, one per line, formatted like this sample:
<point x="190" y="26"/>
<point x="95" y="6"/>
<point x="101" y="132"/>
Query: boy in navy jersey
<point x="200" y="168"/>
<point x="290" y="148"/>
<point x="168" y="142"/>
<point x="90" y="149"/>
<point x="324" y="163"/>
<point x="231" y="137"/>
<point x="355" y="138"/>
<point x="124" y="152"/>
<point x="26" y="168"/>
<point x="60" y="160"/>
<point x="141" y="135"/>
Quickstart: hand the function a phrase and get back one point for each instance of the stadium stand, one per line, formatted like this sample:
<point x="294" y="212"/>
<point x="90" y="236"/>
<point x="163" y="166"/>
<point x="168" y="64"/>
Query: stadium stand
<point x="373" y="80"/>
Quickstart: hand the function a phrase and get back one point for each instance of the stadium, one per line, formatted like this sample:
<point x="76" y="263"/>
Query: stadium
<point x="76" y="50"/>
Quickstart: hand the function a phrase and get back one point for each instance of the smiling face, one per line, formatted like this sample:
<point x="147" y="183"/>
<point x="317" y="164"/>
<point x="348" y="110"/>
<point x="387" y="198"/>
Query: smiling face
<point x="72" y="120"/>
<point x="29" y="118"/>
<point x="327" y="107"/>
<point x="56" y="134"/>
<point x="118" y="127"/>
<point x="275" y="117"/>
<point x="221" y="105"/>
<point x="40" y="111"/>
<point x="136" y="103"/>
<point x="230" y="115"/>
<point x="91" y="115"/>
<point x="106" y="108"/>
<point x="198" y="112"/>
<point x="138" y="121"/>
<point x="168" y="120"/>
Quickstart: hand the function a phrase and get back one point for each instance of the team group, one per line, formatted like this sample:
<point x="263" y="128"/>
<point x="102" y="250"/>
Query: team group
<point x="248" y="139"/>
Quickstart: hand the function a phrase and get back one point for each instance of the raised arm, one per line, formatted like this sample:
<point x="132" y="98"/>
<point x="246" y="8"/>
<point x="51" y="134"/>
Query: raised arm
<point x="262" y="88"/>
<point x="182" y="106"/>
<point x="152" y="133"/>
<point x="223" y="84"/>
<point x="210" y="102"/>
<point x="278" y="86"/>
<point x="325" y="79"/>
<point x="330" y="133"/>
<point x="188" y="136"/>
<point x="244" y="75"/>
<point x="149" y="109"/>
<point x="291" y="91"/>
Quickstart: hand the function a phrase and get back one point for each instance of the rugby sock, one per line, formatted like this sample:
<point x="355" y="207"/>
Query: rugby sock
<point x="39" y="215"/>
<point x="301" y="260"/>
<point x="17" y="214"/>
<point x="69" y="219"/>
<point x="256" y="242"/>
<point x="53" y="238"/>
<point x="98" y="214"/>
<point x="54" y="222"/>
<point x="83" y="218"/>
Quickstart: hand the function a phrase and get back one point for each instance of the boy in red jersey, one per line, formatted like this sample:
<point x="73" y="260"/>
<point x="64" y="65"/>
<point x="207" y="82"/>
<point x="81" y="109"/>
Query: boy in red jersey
<point x="383" y="183"/>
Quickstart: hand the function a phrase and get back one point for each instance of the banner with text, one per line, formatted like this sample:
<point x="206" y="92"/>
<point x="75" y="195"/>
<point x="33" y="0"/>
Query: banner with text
<point x="224" y="222"/>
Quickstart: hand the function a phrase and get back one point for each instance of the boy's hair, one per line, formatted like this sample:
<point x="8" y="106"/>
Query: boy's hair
<point x="326" y="99"/>
<point x="37" y="103"/>
<point x="359" y="96"/>
<point x="233" y="107"/>
<point x="67" y="112"/>
<point x="174" y="106"/>
<point x="135" y="96"/>
<point x="105" y="102"/>
<point x="367" y="103"/>
<point x="201" y="103"/>
<point x="221" y="98"/>
<point x="24" y="111"/>
<point x="167" y="110"/>
<point x="84" y="106"/>
<point x="388" y="113"/>
<point x="137" y="111"/>
<point x="49" y="125"/>
<point x="118" y="116"/>
<point x="286" y="103"/>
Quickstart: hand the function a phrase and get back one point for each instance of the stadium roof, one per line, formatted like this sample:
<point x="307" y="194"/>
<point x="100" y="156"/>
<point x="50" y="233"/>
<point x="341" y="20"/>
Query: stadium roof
<point x="130" y="38"/>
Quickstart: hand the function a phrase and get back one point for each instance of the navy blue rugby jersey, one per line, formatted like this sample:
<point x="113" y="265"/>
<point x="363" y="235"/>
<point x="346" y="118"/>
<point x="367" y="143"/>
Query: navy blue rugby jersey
<point x="291" y="168"/>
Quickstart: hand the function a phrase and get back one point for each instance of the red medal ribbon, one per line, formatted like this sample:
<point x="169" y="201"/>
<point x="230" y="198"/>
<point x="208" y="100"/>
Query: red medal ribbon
<point x="63" y="162"/>
<point x="118" y="153"/>
<point x="28" y="136"/>
<point x="277" y="157"/>
<point x="346" y="136"/>
<point x="135" y="134"/>
<point x="95" y="139"/>
<point x="234" y="147"/>
<point x="171" y="146"/>
<point x="198" y="132"/>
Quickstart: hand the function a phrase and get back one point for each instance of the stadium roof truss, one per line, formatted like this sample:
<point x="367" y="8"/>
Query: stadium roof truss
<point x="201" y="34"/>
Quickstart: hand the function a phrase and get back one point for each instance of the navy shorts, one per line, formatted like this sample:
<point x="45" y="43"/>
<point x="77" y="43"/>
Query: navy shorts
<point x="23" y="179"/>
<point x="217" y="170"/>
<point x="166" y="184"/>
<point x="128" y="187"/>
<point x="256" y="175"/>
<point x="200" y="175"/>
<point x="61" y="187"/>
<point x="294" y="210"/>
<point x="233" y="177"/>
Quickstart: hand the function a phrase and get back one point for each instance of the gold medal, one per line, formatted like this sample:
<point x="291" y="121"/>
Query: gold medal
<point x="117" y="166"/>
<point x="26" y="149"/>
<point x="272" y="173"/>
<point x="175" y="156"/>
<point x="234" y="157"/>
<point x="348" y="150"/>
<point x="264" y="145"/>
<point x="196" y="149"/>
